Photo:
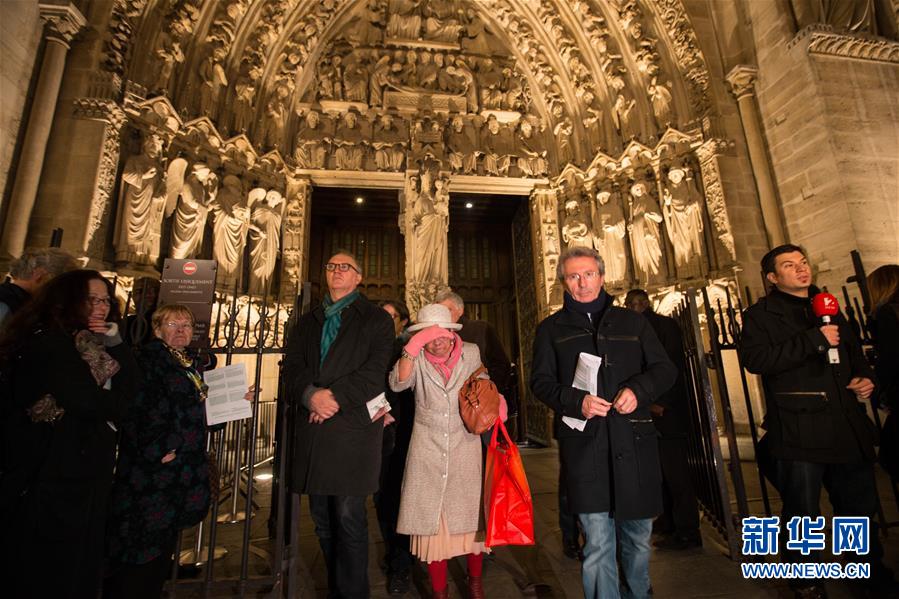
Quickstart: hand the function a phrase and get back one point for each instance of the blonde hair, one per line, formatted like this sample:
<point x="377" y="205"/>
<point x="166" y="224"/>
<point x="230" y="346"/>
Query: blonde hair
<point x="883" y="286"/>
<point x="169" y="311"/>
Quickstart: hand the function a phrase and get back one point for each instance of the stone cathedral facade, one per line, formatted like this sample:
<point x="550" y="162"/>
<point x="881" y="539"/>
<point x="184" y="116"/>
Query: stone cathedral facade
<point x="680" y="138"/>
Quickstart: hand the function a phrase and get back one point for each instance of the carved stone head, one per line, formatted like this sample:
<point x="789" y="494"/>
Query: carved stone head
<point x="676" y="175"/>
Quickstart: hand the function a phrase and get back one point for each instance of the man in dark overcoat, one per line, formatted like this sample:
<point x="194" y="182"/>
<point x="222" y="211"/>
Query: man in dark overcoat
<point x="671" y="415"/>
<point x="611" y="465"/>
<point x="335" y="361"/>
<point x="818" y="431"/>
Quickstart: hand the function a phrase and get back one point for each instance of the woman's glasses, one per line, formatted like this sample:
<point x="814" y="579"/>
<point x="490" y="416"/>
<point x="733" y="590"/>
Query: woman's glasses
<point x="179" y="326"/>
<point x="96" y="300"/>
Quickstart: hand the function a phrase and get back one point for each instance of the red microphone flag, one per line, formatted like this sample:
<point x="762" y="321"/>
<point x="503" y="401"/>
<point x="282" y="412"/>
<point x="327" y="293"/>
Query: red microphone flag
<point x="824" y="304"/>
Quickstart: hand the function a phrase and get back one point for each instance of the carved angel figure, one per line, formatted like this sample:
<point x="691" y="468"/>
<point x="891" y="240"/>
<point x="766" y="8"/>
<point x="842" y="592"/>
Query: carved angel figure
<point x="213" y="79"/>
<point x="644" y="229"/>
<point x="683" y="215"/>
<point x="141" y="206"/>
<point x="189" y="199"/>
<point x="609" y="230"/>
<point x="265" y="237"/>
<point x="230" y="225"/>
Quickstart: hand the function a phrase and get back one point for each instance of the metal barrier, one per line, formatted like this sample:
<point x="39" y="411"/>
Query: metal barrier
<point x="706" y="462"/>
<point x="255" y="330"/>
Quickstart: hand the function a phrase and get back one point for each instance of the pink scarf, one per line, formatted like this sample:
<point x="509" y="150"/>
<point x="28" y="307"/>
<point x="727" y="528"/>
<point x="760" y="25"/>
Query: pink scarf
<point x="445" y="365"/>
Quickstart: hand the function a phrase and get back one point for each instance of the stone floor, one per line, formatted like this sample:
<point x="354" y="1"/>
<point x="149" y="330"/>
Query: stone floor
<point x="537" y="571"/>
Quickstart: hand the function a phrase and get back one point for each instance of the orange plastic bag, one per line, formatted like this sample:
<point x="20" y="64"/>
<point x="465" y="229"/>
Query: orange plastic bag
<point x="508" y="507"/>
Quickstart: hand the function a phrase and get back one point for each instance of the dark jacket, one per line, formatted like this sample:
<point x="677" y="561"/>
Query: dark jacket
<point x="13" y="296"/>
<point x="885" y="328"/>
<point x="674" y="421"/>
<point x="482" y="334"/>
<point x="152" y="501"/>
<point x="341" y="456"/>
<point x="614" y="463"/>
<point x="811" y="416"/>
<point x="56" y="477"/>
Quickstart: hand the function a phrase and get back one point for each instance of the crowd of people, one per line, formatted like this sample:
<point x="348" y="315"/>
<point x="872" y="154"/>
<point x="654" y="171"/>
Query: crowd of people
<point x="104" y="456"/>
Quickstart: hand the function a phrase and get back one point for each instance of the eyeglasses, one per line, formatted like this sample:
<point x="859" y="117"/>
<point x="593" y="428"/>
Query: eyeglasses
<point x="587" y="276"/>
<point x="181" y="326"/>
<point x="341" y="266"/>
<point x="96" y="300"/>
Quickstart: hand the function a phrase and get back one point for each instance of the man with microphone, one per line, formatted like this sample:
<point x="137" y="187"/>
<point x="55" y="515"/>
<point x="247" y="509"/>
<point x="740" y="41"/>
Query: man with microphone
<point x="816" y="381"/>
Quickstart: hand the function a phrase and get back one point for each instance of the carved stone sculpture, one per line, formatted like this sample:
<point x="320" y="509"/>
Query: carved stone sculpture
<point x="230" y="225"/>
<point x="389" y="144"/>
<point x="141" y="206"/>
<point x="609" y="232"/>
<point x="405" y="19"/>
<point x="856" y="16"/>
<point x="660" y="97"/>
<point x="245" y="92"/>
<point x="349" y="143"/>
<point x="644" y="230"/>
<point x="531" y="151"/>
<point x="683" y="215"/>
<point x="575" y="229"/>
<point x="429" y="199"/>
<point x="355" y="82"/>
<point x="496" y="148"/>
<point x="312" y="143"/>
<point x="266" y="241"/>
<point x="462" y="147"/>
<point x="380" y="78"/>
<point x="213" y="79"/>
<point x="193" y="202"/>
<point x="168" y="54"/>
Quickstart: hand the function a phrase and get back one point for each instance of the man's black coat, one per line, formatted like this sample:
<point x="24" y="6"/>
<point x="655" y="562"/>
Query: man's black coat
<point x="341" y="456"/>
<point x="674" y="421"/>
<point x="613" y="465"/>
<point x="811" y="416"/>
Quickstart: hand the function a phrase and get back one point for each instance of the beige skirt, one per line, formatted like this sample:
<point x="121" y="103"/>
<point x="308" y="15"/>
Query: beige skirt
<point x="443" y="545"/>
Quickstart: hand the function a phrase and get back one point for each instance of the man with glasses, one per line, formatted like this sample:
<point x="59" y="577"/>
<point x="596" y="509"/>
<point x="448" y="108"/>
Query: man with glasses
<point x="607" y="443"/>
<point x="335" y="361"/>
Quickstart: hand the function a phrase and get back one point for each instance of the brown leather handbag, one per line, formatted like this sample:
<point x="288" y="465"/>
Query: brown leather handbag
<point x="478" y="403"/>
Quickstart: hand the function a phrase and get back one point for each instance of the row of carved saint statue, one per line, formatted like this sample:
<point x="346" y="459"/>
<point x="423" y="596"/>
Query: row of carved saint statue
<point x="600" y="223"/>
<point x="189" y="193"/>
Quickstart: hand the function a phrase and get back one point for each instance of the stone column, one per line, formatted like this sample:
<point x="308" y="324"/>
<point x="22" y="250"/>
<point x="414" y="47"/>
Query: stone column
<point x="544" y="206"/>
<point x="295" y="239"/>
<point x="742" y="85"/>
<point x="62" y="23"/>
<point x="707" y="154"/>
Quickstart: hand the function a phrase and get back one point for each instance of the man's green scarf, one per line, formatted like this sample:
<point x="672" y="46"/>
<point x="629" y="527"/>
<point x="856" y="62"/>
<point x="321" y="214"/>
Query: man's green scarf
<point x="332" y="320"/>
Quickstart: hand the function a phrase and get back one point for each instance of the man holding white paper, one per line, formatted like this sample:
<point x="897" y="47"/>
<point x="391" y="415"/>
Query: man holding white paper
<point x="610" y="459"/>
<point x="334" y="365"/>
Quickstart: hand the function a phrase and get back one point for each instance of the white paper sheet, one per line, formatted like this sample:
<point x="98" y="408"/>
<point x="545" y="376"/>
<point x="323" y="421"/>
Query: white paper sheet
<point x="585" y="376"/>
<point x="224" y="400"/>
<point x="373" y="405"/>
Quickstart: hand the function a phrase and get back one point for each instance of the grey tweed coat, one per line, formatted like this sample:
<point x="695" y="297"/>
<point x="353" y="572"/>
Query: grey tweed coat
<point x="443" y="467"/>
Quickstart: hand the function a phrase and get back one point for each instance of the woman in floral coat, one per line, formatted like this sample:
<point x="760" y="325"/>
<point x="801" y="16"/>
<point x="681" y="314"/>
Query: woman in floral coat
<point x="162" y="477"/>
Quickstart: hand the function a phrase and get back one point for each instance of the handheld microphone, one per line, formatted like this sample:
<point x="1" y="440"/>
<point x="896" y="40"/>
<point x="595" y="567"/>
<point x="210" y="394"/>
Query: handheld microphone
<point x="825" y="306"/>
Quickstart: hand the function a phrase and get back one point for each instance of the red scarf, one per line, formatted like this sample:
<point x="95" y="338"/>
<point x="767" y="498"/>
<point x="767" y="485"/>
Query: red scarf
<point x="445" y="365"/>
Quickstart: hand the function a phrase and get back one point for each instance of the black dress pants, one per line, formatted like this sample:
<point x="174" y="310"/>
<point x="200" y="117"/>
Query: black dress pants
<point x="341" y="524"/>
<point x="681" y="508"/>
<point x="852" y="492"/>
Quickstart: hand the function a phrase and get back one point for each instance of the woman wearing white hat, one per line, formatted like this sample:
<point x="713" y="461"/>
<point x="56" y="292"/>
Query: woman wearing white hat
<point x="440" y="507"/>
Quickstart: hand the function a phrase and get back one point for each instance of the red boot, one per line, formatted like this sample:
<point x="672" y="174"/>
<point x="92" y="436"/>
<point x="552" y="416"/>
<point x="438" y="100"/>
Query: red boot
<point x="475" y="587"/>
<point x="444" y="594"/>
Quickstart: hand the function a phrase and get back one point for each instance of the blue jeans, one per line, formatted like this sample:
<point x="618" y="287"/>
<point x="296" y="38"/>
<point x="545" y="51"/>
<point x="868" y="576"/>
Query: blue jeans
<point x="341" y="523"/>
<point x="600" y="569"/>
